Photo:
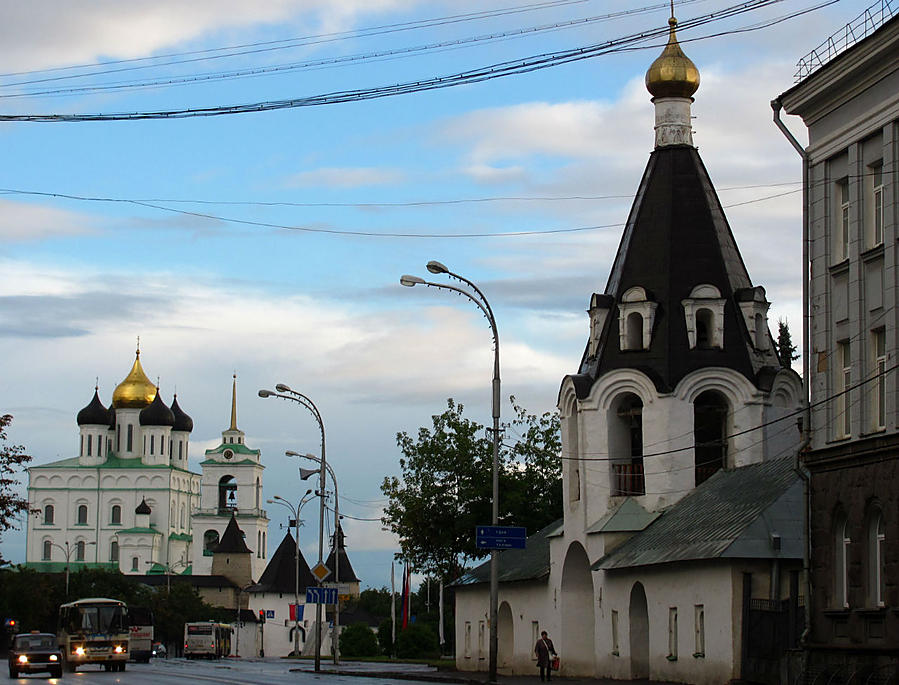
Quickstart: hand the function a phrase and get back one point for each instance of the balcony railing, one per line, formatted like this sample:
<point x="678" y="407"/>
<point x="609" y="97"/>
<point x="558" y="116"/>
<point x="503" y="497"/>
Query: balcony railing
<point x="627" y="479"/>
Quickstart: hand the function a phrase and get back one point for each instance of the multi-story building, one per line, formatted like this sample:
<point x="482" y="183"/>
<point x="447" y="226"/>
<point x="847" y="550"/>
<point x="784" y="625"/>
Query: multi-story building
<point x="848" y="97"/>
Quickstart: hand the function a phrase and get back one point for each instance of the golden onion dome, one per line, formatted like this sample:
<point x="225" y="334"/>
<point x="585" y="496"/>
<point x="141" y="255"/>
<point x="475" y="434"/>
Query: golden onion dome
<point x="136" y="391"/>
<point x="673" y="74"/>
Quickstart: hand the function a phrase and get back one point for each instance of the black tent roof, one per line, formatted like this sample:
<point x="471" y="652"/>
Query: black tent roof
<point x="232" y="540"/>
<point x="280" y="574"/>
<point x="346" y="574"/>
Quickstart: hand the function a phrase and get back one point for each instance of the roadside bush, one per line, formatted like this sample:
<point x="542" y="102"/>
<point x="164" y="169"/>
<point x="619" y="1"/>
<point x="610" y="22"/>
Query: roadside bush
<point x="417" y="642"/>
<point x="358" y="640"/>
<point x="385" y="637"/>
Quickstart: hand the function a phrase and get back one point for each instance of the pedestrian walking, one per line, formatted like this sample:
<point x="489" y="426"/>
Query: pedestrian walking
<point x="543" y="649"/>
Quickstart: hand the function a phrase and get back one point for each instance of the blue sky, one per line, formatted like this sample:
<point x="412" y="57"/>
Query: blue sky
<point x="322" y="312"/>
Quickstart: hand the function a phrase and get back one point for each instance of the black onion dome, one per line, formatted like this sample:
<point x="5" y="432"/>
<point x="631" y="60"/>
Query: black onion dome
<point x="143" y="507"/>
<point x="111" y="419"/>
<point x="182" y="421"/>
<point x="94" y="414"/>
<point x="157" y="414"/>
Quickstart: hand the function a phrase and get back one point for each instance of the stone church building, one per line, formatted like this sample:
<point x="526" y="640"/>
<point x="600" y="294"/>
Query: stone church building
<point x="683" y="514"/>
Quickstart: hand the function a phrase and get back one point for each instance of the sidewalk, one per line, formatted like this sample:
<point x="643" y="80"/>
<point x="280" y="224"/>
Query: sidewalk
<point x="423" y="672"/>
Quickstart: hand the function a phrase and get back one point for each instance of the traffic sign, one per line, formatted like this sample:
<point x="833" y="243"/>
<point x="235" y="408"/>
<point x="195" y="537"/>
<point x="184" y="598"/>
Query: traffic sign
<point x="320" y="571"/>
<point x="321" y="595"/>
<point x="500" y="537"/>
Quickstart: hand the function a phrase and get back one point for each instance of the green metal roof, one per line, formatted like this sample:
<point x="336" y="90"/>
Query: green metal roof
<point x="626" y="517"/>
<point x="112" y="462"/>
<point x="731" y="515"/>
<point x="235" y="447"/>
<point x="60" y="566"/>
<point x="140" y="531"/>
<point x="206" y="462"/>
<point x="530" y="563"/>
<point x="181" y="536"/>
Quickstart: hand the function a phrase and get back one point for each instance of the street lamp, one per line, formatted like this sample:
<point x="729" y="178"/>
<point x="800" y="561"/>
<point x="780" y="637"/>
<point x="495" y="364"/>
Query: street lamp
<point x="477" y="297"/>
<point x="304" y="474"/>
<point x="302" y="399"/>
<point x="67" y="550"/>
<point x="277" y="499"/>
<point x="169" y="570"/>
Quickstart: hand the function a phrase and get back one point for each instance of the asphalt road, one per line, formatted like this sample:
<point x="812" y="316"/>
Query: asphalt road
<point x="184" y="672"/>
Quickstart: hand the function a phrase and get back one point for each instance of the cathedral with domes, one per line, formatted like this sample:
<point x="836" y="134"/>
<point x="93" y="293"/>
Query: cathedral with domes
<point x="129" y="500"/>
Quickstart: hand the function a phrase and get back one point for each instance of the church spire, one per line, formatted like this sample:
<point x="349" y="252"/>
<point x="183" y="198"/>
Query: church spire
<point x="233" y="426"/>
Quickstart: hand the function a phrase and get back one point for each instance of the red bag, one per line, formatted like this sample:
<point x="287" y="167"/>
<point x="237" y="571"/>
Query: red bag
<point x="555" y="663"/>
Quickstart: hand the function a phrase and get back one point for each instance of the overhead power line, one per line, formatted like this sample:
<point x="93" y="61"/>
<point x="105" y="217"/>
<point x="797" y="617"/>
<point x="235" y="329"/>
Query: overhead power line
<point x="498" y="70"/>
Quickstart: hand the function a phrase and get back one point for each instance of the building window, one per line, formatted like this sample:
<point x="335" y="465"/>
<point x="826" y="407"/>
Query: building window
<point x="634" y="331"/>
<point x="99" y="445"/>
<point x="82" y="515"/>
<point x="258" y="544"/>
<point x="263" y="545"/>
<point x="115" y="515"/>
<point x="130" y="441"/>
<point x="227" y="493"/>
<point x="842" y="415"/>
<point x="152" y="444"/>
<point x="468" y="640"/>
<point x="878" y="385"/>
<point x="114" y="551"/>
<point x="49" y="513"/>
<point x="210" y="542"/>
<point x="135" y="564"/>
<point x="573" y="461"/>
<point x="625" y="429"/>
<point x="183" y="517"/>
<point x="180" y="450"/>
<point x="699" y="627"/>
<point x="672" y="634"/>
<point x="481" y="641"/>
<point x="636" y="315"/>
<point x="161" y="444"/>
<point x="709" y="434"/>
<point x="79" y="550"/>
<point x="81" y="448"/>
<point x="90" y="444"/>
<point x="118" y="438"/>
<point x="874" y="204"/>
<point x="876" y="571"/>
<point x="841" y="543"/>
<point x="842" y="227"/>
<point x="704" y="317"/>
<point x="614" y="632"/>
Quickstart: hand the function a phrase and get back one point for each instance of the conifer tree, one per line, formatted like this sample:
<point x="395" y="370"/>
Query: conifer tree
<point x="786" y="350"/>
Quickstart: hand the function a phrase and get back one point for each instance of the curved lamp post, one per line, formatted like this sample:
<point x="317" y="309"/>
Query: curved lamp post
<point x="67" y="550"/>
<point x="169" y="570"/>
<point x="295" y="511"/>
<point x="477" y="297"/>
<point x="305" y="473"/>
<point x="284" y="392"/>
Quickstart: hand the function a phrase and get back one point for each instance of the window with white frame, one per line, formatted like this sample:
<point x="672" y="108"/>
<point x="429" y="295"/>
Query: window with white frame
<point x="114" y="551"/>
<point x="699" y="630"/>
<point x="81" y="515"/>
<point x="47" y="551"/>
<point x="874" y="204"/>
<point x="115" y="515"/>
<point x="842" y="414"/>
<point x="841" y="544"/>
<point x="636" y="315"/>
<point x="614" y="632"/>
<point x="876" y="574"/>
<point x="878" y="384"/>
<point x="672" y="633"/>
<point x="841" y="229"/>
<point x="135" y="563"/>
<point x="79" y="550"/>
<point x="704" y="317"/>
<point x="49" y="514"/>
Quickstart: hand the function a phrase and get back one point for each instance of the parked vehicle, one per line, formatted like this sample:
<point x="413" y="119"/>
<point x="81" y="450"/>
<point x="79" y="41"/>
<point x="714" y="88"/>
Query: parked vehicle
<point x="207" y="639"/>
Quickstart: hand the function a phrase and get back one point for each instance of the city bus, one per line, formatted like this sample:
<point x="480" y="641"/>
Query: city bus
<point x="207" y="639"/>
<point x="140" y="643"/>
<point x="94" y="631"/>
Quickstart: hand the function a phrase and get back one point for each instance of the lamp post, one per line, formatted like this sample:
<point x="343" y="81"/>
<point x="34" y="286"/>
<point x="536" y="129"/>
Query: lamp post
<point x="169" y="570"/>
<point x="67" y="550"/>
<point x="302" y="399"/>
<point x="477" y="297"/>
<point x="305" y="473"/>
<point x="296" y="588"/>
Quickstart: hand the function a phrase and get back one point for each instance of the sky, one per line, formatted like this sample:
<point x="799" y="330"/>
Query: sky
<point x="265" y="243"/>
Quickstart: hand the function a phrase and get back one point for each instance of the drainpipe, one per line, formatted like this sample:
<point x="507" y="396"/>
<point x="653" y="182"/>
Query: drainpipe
<point x="806" y="427"/>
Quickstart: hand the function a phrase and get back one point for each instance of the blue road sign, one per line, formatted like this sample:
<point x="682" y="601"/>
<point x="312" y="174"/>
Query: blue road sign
<point x="321" y="595"/>
<point x="500" y="537"/>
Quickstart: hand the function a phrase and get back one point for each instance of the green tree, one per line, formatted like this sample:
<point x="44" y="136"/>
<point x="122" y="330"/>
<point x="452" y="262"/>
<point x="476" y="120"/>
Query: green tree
<point x="385" y="636"/>
<point x="786" y="350"/>
<point x="12" y="458"/>
<point x="417" y="642"/>
<point x="445" y="488"/>
<point x="358" y="640"/>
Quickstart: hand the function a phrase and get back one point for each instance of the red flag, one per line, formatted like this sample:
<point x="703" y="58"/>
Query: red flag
<point x="406" y="596"/>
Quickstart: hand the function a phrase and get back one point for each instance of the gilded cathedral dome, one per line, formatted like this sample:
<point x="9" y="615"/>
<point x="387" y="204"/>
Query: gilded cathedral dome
<point x="672" y="74"/>
<point x="136" y="391"/>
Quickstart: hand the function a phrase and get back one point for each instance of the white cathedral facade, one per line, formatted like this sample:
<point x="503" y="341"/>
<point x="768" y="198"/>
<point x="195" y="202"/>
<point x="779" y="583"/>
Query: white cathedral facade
<point x="129" y="501"/>
<point x="682" y="512"/>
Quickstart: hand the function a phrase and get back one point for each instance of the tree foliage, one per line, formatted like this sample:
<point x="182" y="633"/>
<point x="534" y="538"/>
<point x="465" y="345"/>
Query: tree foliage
<point x="786" y="350"/>
<point x="358" y="640"/>
<point x="445" y="488"/>
<point x="12" y="458"/>
<point x="417" y="642"/>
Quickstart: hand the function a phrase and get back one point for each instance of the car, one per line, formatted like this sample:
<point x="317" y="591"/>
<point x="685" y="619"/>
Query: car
<point x="159" y="650"/>
<point x="35" y="652"/>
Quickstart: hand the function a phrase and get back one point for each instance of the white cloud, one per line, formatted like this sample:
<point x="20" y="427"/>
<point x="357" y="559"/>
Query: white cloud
<point x="25" y="222"/>
<point x="345" y="177"/>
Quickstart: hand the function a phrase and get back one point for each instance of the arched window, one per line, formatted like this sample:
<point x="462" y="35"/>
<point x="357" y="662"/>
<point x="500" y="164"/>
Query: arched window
<point x="841" y="544"/>
<point x="258" y="544"/>
<point x="227" y="493"/>
<point x="115" y="515"/>
<point x="263" y="545"/>
<point x="761" y="333"/>
<point x="135" y="564"/>
<point x="625" y="425"/>
<point x="634" y="331"/>
<point x="183" y="516"/>
<point x="114" y="551"/>
<point x="90" y="444"/>
<point x="705" y="324"/>
<point x="47" y="551"/>
<point x="82" y="515"/>
<point x="258" y="494"/>
<point x="79" y="550"/>
<point x="573" y="461"/>
<point x="49" y="513"/>
<point x="210" y="542"/>
<point x="876" y="571"/>
<point x="709" y="433"/>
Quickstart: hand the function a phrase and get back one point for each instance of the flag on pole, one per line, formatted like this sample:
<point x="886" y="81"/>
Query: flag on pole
<point x="406" y="589"/>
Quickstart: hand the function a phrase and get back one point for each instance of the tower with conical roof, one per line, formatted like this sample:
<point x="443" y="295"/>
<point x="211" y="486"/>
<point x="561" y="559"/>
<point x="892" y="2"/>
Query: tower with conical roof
<point x="231" y="486"/>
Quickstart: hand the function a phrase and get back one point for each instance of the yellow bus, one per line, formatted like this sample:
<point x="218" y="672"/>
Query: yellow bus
<point x="207" y="639"/>
<point x="94" y="631"/>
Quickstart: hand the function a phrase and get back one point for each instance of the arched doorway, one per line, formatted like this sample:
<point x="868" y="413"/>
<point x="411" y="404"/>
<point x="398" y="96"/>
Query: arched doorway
<point x="639" y="632"/>
<point x="505" y="652"/>
<point x="577" y="602"/>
